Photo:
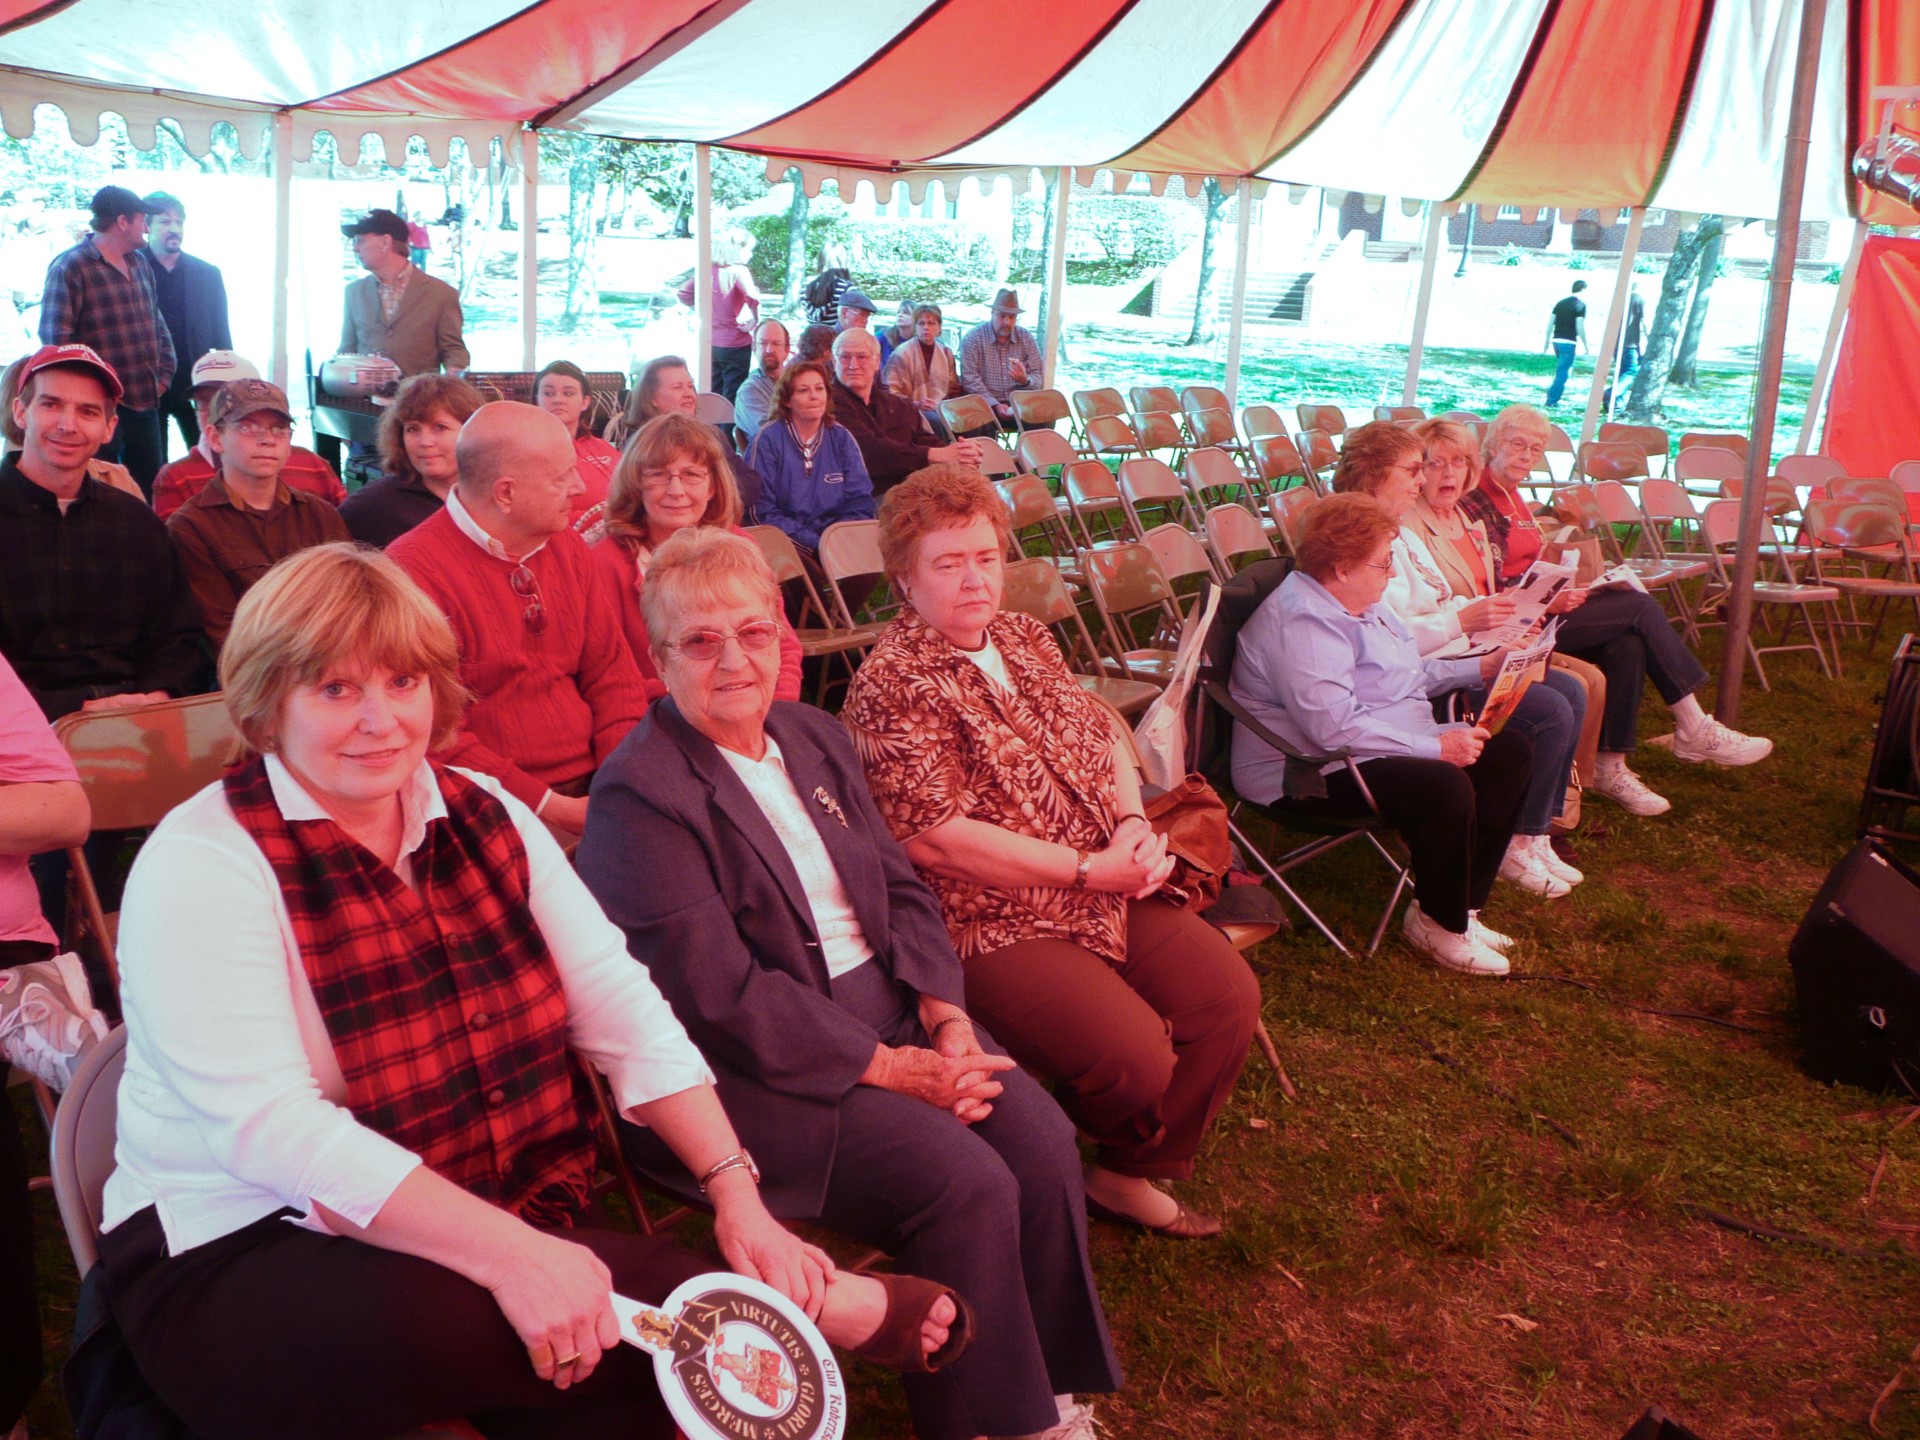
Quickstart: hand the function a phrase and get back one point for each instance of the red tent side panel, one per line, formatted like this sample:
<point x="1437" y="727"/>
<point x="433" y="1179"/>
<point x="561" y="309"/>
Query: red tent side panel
<point x="1873" y="418"/>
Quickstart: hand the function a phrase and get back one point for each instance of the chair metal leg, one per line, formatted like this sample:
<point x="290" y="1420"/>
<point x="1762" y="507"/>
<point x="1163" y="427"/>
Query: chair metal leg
<point x="1265" y="1042"/>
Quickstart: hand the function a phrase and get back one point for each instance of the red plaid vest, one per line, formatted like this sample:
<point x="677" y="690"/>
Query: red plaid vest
<point x="443" y="1004"/>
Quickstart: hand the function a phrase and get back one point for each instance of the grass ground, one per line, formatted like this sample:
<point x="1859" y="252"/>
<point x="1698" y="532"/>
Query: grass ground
<point x="1413" y="1252"/>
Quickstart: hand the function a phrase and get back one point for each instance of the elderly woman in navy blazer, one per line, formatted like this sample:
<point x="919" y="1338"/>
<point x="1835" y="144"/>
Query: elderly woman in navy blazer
<point x="733" y="838"/>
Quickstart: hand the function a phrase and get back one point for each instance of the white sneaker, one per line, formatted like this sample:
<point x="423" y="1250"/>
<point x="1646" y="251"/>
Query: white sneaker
<point x="1447" y="949"/>
<point x="1486" y="934"/>
<point x="1550" y="861"/>
<point x="1520" y="867"/>
<point x="1712" y="741"/>
<point x="1076" y="1422"/>
<point x="47" y="1019"/>
<point x="1629" y="792"/>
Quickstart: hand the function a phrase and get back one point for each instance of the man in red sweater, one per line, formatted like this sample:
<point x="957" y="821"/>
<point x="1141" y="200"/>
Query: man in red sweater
<point x="541" y="646"/>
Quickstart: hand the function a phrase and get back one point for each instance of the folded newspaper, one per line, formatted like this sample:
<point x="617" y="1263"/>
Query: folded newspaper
<point x="1522" y="666"/>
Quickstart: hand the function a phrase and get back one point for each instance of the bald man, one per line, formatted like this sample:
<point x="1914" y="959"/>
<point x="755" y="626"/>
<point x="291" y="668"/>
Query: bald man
<point x="542" y="647"/>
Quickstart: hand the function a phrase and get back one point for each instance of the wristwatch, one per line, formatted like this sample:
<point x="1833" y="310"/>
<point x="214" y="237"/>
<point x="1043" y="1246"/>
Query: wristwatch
<point x="739" y="1160"/>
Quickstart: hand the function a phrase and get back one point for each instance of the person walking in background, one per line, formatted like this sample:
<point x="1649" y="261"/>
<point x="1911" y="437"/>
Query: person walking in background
<point x="1565" y="328"/>
<point x="193" y="302"/>
<point x="101" y="294"/>
<point x="733" y="293"/>
<point x="1630" y="337"/>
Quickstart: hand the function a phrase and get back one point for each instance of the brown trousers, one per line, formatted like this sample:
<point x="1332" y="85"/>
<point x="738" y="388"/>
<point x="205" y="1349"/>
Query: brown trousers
<point x="1143" y="1054"/>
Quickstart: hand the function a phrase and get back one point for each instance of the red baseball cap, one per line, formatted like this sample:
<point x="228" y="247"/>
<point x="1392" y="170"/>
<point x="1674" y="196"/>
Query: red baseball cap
<point x="82" y="356"/>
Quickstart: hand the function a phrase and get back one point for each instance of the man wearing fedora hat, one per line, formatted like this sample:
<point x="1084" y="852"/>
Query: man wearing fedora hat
<point x="397" y="309"/>
<point x="1000" y="357"/>
<point x="101" y="294"/>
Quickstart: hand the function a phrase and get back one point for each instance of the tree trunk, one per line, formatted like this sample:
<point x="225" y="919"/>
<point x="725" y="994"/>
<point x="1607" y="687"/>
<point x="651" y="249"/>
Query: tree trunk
<point x="583" y="286"/>
<point x="1686" y="363"/>
<point x="1046" y="260"/>
<point x="1206" y="292"/>
<point x="1650" y="381"/>
<point x="799" y="208"/>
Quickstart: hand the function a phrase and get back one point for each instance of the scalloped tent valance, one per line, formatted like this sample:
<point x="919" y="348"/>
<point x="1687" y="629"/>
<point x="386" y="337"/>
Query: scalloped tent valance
<point x="1533" y="102"/>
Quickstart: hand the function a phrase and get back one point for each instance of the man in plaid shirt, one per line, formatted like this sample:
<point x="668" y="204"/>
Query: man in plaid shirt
<point x="101" y="294"/>
<point x="1000" y="357"/>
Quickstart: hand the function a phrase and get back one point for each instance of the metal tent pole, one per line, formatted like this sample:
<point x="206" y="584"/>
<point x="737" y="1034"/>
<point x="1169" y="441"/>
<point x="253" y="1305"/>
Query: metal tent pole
<point x="1823" y="373"/>
<point x="280" y="365"/>
<point x="1057" y="269"/>
<point x="703" y="266"/>
<point x="1607" y="356"/>
<point x="529" y="249"/>
<point x="1429" y="257"/>
<point x="1243" y="221"/>
<point x="1773" y="349"/>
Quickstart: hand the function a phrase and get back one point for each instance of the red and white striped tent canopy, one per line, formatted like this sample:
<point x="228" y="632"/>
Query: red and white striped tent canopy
<point x="1673" y="103"/>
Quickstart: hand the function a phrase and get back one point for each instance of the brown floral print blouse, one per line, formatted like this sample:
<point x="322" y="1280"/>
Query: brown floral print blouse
<point x="939" y="739"/>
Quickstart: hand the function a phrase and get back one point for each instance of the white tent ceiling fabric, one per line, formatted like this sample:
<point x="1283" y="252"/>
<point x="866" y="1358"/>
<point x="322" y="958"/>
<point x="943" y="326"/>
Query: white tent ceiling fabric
<point x="1414" y="122"/>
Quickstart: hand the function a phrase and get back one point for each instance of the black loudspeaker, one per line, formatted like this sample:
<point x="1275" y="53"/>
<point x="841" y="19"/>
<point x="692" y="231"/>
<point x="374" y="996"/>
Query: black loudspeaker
<point x="1856" y="969"/>
<point x="1892" y="794"/>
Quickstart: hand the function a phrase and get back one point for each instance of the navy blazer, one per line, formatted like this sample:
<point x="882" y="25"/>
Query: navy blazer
<point x="204" y="299"/>
<point x="681" y="858"/>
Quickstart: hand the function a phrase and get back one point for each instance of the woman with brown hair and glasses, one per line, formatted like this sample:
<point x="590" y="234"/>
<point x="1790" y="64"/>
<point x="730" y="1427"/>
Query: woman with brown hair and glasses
<point x="416" y="451"/>
<point x="673" y="476"/>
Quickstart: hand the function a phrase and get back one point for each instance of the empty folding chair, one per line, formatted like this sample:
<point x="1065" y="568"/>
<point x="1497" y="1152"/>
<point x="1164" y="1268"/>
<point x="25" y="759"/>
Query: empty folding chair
<point x="1558" y="459"/>
<point x="1718" y="439"/>
<point x="1257" y="420"/>
<point x="1704" y="468"/>
<point x="1329" y="420"/>
<point x="1092" y="404"/>
<point x="1651" y="439"/>
<point x="1317" y="452"/>
<point x="1866" y="490"/>
<point x="1182" y="558"/>
<point x="1213" y="428"/>
<point x="1278" y="464"/>
<point x="1093" y="496"/>
<point x="1153" y="493"/>
<point x="1662" y="575"/>
<point x="1810" y="472"/>
<point x="1112" y="435"/>
<point x="1033" y="587"/>
<point x="1162" y="398"/>
<point x="1611" y="460"/>
<point x="822" y="637"/>
<point x="995" y="459"/>
<point x="1236" y="537"/>
<point x="1869" y="536"/>
<point x="1040" y="451"/>
<point x="1673" y="520"/>
<point x="1038" y="528"/>
<point x="1138" y="611"/>
<point x="714" y="409"/>
<point x="850" y="558"/>
<point x="1035" y="410"/>
<point x="1720" y="528"/>
<point x="1289" y="508"/>
<point x="1906" y="474"/>
<point x="1212" y="476"/>
<point x="967" y="413"/>
<point x="1400" y="414"/>
<point x="1159" y="432"/>
<point x="1462" y="417"/>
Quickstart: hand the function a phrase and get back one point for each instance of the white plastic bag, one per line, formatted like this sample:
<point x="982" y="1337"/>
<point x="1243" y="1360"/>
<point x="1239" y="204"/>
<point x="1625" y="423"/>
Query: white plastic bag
<point x="1162" y="732"/>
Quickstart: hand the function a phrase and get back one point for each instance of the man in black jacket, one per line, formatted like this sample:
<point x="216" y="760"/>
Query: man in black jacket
<point x="893" y="440"/>
<point x="193" y="302"/>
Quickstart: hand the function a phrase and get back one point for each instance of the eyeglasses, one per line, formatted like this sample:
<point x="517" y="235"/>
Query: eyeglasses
<point x="702" y="646"/>
<point x="528" y="588"/>
<point x="689" y="477"/>
<point x="253" y="430"/>
<point x="1533" y="449"/>
<point x="1384" y="569"/>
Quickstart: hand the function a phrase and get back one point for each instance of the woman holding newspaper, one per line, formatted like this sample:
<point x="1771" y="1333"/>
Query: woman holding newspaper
<point x="1330" y="670"/>
<point x="1451" y="609"/>
<point x="1623" y="631"/>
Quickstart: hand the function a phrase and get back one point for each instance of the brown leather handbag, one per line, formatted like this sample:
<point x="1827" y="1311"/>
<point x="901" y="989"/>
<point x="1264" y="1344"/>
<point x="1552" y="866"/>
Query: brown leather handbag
<point x="1587" y="752"/>
<point x="1194" y="819"/>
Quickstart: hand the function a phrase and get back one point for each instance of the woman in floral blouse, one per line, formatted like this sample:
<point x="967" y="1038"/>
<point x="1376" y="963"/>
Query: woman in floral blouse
<point x="1001" y="776"/>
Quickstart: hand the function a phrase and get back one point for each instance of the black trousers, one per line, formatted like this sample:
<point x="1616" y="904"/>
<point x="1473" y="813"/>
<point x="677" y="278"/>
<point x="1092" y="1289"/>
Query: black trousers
<point x="177" y="405"/>
<point x="19" y="1288"/>
<point x="276" y="1332"/>
<point x="1456" y="821"/>
<point x="1629" y="637"/>
<point x="138" y="445"/>
<point x="730" y="365"/>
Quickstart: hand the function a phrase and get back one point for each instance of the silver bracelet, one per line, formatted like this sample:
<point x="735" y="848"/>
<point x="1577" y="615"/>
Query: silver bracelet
<point x="739" y="1160"/>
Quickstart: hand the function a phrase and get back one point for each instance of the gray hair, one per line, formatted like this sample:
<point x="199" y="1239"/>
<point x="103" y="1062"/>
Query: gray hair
<point x="703" y="566"/>
<point x="1509" y="420"/>
<point x="853" y="338"/>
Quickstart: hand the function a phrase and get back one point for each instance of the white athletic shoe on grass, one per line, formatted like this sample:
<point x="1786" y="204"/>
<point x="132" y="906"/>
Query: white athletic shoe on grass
<point x="1629" y="792"/>
<point x="1713" y="743"/>
<point x="1447" y="949"/>
<point x="1523" y="868"/>
<point x="1477" y="929"/>
<point x="47" y="1019"/>
<point x="1550" y="861"/>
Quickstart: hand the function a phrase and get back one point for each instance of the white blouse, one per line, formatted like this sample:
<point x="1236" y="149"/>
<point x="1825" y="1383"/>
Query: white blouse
<point x="1419" y="594"/>
<point x="233" y="1104"/>
<point x="843" y="944"/>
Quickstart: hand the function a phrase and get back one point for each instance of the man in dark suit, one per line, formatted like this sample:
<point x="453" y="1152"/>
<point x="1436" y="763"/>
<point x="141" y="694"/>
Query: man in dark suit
<point x="193" y="302"/>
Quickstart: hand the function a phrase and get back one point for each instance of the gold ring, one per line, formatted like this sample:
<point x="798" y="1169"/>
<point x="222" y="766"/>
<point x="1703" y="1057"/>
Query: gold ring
<point x="562" y="1364"/>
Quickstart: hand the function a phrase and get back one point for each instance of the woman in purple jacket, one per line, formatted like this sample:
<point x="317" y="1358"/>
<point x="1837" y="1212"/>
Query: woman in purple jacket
<point x="811" y="473"/>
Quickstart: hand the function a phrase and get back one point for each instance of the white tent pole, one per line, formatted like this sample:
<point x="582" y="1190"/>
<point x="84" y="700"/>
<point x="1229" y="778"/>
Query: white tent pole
<point x="1823" y="373"/>
<point x="280" y="364"/>
<point x="1773" y="354"/>
<point x="1429" y="254"/>
<point x="1606" y="353"/>
<point x="1242" y="226"/>
<point x="703" y="266"/>
<point x="529" y="249"/>
<point x="1057" y="268"/>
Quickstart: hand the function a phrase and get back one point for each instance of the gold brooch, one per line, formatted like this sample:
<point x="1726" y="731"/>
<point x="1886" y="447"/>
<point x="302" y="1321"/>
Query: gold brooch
<point x="830" y="805"/>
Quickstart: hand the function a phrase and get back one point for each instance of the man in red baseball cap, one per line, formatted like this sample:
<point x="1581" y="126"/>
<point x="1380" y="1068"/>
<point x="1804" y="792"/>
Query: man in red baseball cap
<point x="101" y="293"/>
<point x="94" y="608"/>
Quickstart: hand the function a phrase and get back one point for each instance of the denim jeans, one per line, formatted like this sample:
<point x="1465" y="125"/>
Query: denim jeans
<point x="1628" y="636"/>
<point x="1550" y="715"/>
<point x="1563" y="367"/>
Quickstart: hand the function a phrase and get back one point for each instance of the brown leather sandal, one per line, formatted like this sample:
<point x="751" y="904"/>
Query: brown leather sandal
<point x="896" y="1344"/>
